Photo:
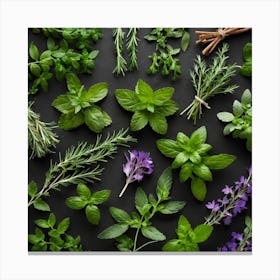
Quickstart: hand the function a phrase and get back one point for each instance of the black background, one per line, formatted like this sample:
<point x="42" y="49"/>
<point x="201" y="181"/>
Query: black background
<point x="113" y="178"/>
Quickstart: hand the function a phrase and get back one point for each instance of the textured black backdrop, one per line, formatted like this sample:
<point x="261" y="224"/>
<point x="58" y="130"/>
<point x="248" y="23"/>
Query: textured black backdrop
<point x="113" y="177"/>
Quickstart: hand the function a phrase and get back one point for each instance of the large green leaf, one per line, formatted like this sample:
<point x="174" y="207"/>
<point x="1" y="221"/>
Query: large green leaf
<point x="63" y="104"/>
<point x="168" y="147"/>
<point x="41" y="205"/>
<point x="225" y="116"/>
<point x="96" y="119"/>
<point x="139" y="120"/>
<point x="158" y="123"/>
<point x="119" y="215"/>
<point x="162" y="95"/>
<point x="96" y="92"/>
<point x="141" y="198"/>
<point x="83" y="191"/>
<point x="70" y="121"/>
<point x="202" y="233"/>
<point x="180" y="159"/>
<point x="113" y="231"/>
<point x="185" y="172"/>
<point x="198" y="137"/>
<point x="198" y="188"/>
<point x="172" y="207"/>
<point x="202" y="171"/>
<point x="172" y="245"/>
<point x="93" y="214"/>
<point x="164" y="184"/>
<point x="169" y="108"/>
<point x="152" y="233"/>
<point x="144" y="92"/>
<point x="73" y="82"/>
<point x="127" y="99"/>
<point x="33" y="51"/>
<point x="219" y="161"/>
<point x="76" y="202"/>
<point x="100" y="196"/>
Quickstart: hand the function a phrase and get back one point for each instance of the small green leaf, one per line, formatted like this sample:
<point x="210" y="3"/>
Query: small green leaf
<point x="119" y="215"/>
<point x="54" y="233"/>
<point x="202" y="233"/>
<point x="185" y="172"/>
<point x="162" y="95"/>
<point x="70" y="121"/>
<point x="180" y="159"/>
<point x="182" y="139"/>
<point x="203" y="172"/>
<point x="93" y="54"/>
<point x="144" y="91"/>
<point x="51" y="44"/>
<point x="198" y="137"/>
<point x="229" y="128"/>
<point x="94" y="118"/>
<point x="195" y="158"/>
<point x="246" y="69"/>
<point x="73" y="82"/>
<point x="100" y="196"/>
<point x="51" y="220"/>
<point x="39" y="204"/>
<point x="96" y="92"/>
<point x="83" y="191"/>
<point x="198" y="188"/>
<point x="125" y="243"/>
<point x="172" y="245"/>
<point x="185" y="41"/>
<point x="140" y="198"/>
<point x="33" y="51"/>
<point x="237" y="108"/>
<point x="168" y="147"/>
<point x="172" y="207"/>
<point x="35" y="69"/>
<point x="247" y="52"/>
<point x="63" y="104"/>
<point x="63" y="225"/>
<point x="225" y="116"/>
<point x="219" y="161"/>
<point x="113" y="231"/>
<point x="76" y="202"/>
<point x="32" y="188"/>
<point x="164" y="184"/>
<point x="152" y="233"/>
<point x="168" y="108"/>
<point x="127" y="99"/>
<point x="246" y="97"/>
<point x="158" y="123"/>
<point x="183" y="227"/>
<point x="139" y="120"/>
<point x="93" y="214"/>
<point x="42" y="223"/>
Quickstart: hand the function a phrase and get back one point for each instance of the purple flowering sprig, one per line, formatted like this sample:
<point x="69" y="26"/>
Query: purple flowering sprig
<point x="138" y="163"/>
<point x="233" y="202"/>
<point x="240" y="242"/>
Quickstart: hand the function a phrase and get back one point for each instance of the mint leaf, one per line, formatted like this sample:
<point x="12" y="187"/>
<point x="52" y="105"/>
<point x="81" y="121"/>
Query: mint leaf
<point x="113" y="231"/>
<point x="119" y="215"/>
<point x="163" y="95"/>
<point x="185" y="41"/>
<point x="83" y="191"/>
<point x="63" y="225"/>
<point x="198" y="137"/>
<point x="32" y="188"/>
<point x="94" y="118"/>
<point x="164" y="184"/>
<point x="63" y="104"/>
<point x="172" y="207"/>
<point x="202" y="233"/>
<point x="182" y="139"/>
<point x="144" y="91"/>
<point x="41" y="205"/>
<point x="33" y="51"/>
<point x="168" y="147"/>
<point x="180" y="159"/>
<point x="158" y="123"/>
<point x="93" y="214"/>
<point x="168" y="108"/>
<point x="96" y="92"/>
<point x="42" y="223"/>
<point x="127" y="99"/>
<point x="152" y="233"/>
<point x="140" y="198"/>
<point x="219" y="161"/>
<point x="172" y="245"/>
<point x="237" y="108"/>
<point x="70" y="121"/>
<point x="225" y="116"/>
<point x="51" y="220"/>
<point x="185" y="172"/>
<point x="139" y="120"/>
<point x="202" y="171"/>
<point x="76" y="202"/>
<point x="183" y="227"/>
<point x="100" y="196"/>
<point x="73" y="82"/>
<point x="198" y="188"/>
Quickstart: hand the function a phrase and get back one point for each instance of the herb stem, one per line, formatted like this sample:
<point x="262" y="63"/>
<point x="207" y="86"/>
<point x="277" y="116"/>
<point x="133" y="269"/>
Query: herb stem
<point x="136" y="234"/>
<point x="145" y="244"/>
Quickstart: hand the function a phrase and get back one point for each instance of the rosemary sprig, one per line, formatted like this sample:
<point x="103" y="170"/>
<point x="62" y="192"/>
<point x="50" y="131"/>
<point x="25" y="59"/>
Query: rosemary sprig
<point x="77" y="165"/>
<point x="41" y="137"/>
<point x="131" y="46"/>
<point x="210" y="81"/>
<point x="121" y="67"/>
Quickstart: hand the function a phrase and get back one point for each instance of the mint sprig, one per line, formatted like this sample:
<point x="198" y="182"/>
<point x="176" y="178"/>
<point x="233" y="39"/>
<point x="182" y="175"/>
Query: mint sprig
<point x="149" y="107"/>
<point x="190" y="154"/>
<point x="246" y="68"/>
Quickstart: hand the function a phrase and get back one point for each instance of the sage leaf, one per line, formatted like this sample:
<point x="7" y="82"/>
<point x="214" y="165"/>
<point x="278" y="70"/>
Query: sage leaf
<point x="119" y="215"/>
<point x="152" y="233"/>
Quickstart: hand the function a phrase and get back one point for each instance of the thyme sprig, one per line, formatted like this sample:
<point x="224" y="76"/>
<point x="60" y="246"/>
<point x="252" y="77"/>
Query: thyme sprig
<point x="121" y="66"/>
<point x="41" y="137"/>
<point x="77" y="164"/>
<point x="210" y="81"/>
<point x="131" y="45"/>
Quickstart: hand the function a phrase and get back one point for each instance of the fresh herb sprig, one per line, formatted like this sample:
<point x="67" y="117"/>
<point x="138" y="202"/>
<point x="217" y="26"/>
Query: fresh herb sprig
<point x="147" y="207"/>
<point x="77" y="166"/>
<point x="164" y="58"/>
<point x="57" y="61"/>
<point x="210" y="81"/>
<point x="240" y="120"/>
<point x="41" y="137"/>
<point x="148" y="106"/>
<point x="190" y="155"/>
<point x="89" y="201"/>
<point x="121" y="66"/>
<point x="246" y="68"/>
<point x="78" y="105"/>
<point x="131" y="45"/>
<point x="57" y="240"/>
<point x="188" y="238"/>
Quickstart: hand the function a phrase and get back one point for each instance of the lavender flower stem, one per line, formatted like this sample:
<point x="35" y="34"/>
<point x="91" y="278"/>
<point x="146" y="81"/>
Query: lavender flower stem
<point x="124" y="188"/>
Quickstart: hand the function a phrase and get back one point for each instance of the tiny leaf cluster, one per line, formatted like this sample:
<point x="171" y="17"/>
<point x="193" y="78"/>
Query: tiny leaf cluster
<point x="78" y="105"/>
<point x="148" y="106"/>
<point x="240" y="120"/>
<point x="188" y="238"/>
<point x="246" y="68"/>
<point x="190" y="155"/>
<point x="56" y="238"/>
<point x="88" y="201"/>
<point x="147" y="207"/>
<point x="164" y="58"/>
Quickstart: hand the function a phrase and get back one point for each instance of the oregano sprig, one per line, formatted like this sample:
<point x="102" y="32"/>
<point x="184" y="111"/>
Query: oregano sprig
<point x="147" y="207"/>
<point x="209" y="81"/>
<point x="190" y="154"/>
<point x="80" y="164"/>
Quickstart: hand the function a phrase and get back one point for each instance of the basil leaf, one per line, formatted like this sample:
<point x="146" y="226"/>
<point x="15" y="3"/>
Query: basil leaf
<point x="94" y="118"/>
<point x="229" y="128"/>
<point x="198" y="137"/>
<point x="168" y="147"/>
<point x="127" y="99"/>
<point x="70" y="121"/>
<point x="96" y="92"/>
<point x="140" y="198"/>
<point x="198" y="188"/>
<point x="100" y="196"/>
<point x="246" y="69"/>
<point x="73" y="82"/>
<point x="203" y="172"/>
<point x="125" y="243"/>
<point x="183" y="227"/>
<point x="113" y="231"/>
<point x="33" y="51"/>
<point x="172" y="207"/>
<point x="246" y="97"/>
<point x="119" y="215"/>
<point x="202" y="233"/>
<point x="152" y="233"/>
<point x="237" y="108"/>
<point x="247" y="52"/>
<point x="76" y="202"/>
<point x="39" y="204"/>
<point x="138" y="120"/>
<point x="63" y="225"/>
<point x="63" y="104"/>
<point x="180" y="159"/>
<point x="83" y="191"/>
<point x="185" y="172"/>
<point x="225" y="116"/>
<point x="172" y="245"/>
<point x="164" y="184"/>
<point x="93" y="214"/>
<point x="32" y="188"/>
<point x="51" y="220"/>
<point x="158" y="123"/>
<point x="35" y="69"/>
<point x="42" y="223"/>
<point x="218" y="161"/>
<point x="185" y="41"/>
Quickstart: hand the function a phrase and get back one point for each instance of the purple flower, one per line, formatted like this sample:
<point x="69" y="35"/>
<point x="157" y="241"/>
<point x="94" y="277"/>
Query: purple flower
<point x="213" y="206"/>
<point x="227" y="190"/>
<point x="237" y="236"/>
<point x="138" y="163"/>
<point x="224" y="200"/>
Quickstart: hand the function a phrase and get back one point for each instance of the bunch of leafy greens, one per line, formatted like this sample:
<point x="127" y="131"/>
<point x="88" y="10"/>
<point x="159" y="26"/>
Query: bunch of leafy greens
<point x="80" y="38"/>
<point x="188" y="238"/>
<point x="210" y="81"/>
<point x="148" y="106"/>
<point x="80" y="164"/>
<point x="89" y="201"/>
<point x="246" y="68"/>
<point x="146" y="207"/>
<point x="131" y="46"/>
<point x="41" y="137"/>
<point x="163" y="59"/>
<point x="78" y="105"/>
<point x="58" y="239"/>
<point x="190" y="155"/>
<point x="57" y="61"/>
<point x="240" y="120"/>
